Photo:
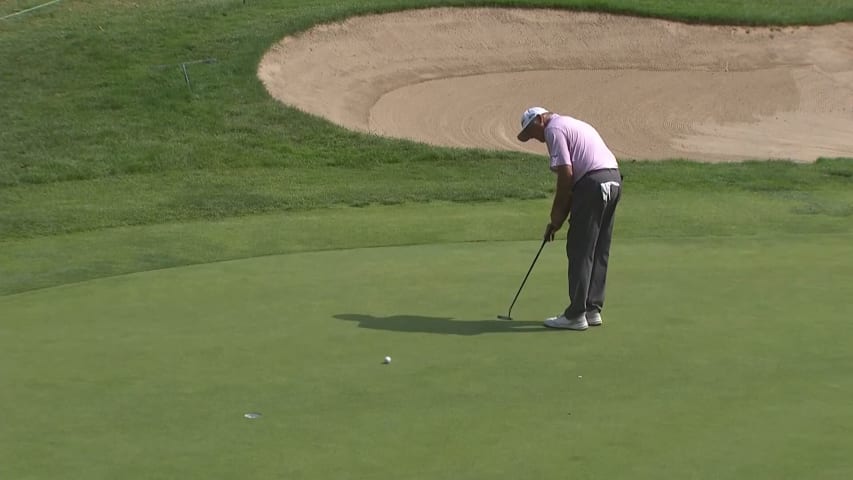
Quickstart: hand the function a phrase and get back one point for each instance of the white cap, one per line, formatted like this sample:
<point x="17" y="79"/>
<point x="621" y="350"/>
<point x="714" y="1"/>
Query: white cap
<point x="528" y="116"/>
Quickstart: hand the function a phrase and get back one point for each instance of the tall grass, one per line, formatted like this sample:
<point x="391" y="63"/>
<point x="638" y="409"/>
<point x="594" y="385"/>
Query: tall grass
<point x="99" y="126"/>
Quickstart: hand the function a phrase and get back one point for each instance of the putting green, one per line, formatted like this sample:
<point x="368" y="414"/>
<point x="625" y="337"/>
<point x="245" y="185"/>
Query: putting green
<point x="719" y="358"/>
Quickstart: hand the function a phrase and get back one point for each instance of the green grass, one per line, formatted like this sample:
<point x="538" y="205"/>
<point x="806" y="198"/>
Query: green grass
<point x="102" y="119"/>
<point x="66" y="207"/>
<point x="720" y="358"/>
<point x="725" y="354"/>
<point x="667" y="215"/>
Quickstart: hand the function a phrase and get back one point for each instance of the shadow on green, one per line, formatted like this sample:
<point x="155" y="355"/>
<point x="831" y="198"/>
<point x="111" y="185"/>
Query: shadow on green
<point x="440" y="325"/>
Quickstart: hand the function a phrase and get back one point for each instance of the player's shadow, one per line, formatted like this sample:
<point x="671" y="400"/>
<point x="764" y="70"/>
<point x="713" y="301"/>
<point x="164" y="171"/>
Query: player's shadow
<point x="440" y="325"/>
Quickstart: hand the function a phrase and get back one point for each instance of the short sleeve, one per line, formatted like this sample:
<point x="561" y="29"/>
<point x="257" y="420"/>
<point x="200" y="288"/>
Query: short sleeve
<point x="558" y="148"/>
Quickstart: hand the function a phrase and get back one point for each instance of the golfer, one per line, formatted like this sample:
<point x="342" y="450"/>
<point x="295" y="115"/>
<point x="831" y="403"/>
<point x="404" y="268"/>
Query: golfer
<point x="588" y="186"/>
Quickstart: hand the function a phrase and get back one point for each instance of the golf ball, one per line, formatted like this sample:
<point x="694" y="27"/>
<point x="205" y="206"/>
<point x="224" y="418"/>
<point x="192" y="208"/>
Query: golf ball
<point x="387" y="359"/>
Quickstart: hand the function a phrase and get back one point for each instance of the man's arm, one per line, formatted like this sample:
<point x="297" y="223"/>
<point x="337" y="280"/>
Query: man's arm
<point x="562" y="205"/>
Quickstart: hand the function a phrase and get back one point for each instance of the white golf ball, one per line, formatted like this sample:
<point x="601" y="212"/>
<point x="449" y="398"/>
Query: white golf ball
<point x="387" y="359"/>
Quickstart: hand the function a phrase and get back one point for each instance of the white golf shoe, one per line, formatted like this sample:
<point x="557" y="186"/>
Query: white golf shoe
<point x="593" y="319"/>
<point x="577" y="323"/>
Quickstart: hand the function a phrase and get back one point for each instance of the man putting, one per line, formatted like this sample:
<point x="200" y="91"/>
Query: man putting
<point x="588" y="186"/>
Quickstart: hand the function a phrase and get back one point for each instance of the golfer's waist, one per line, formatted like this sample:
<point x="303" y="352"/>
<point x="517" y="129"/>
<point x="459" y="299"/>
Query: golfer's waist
<point x="606" y="174"/>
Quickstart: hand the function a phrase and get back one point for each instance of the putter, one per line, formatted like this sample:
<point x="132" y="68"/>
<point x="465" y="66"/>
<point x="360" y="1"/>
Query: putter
<point x="508" y="315"/>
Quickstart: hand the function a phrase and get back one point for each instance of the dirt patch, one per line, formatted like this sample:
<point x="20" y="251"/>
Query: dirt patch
<point x="654" y="89"/>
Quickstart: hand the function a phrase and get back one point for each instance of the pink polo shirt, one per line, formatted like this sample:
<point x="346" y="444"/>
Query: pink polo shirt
<point x="576" y="143"/>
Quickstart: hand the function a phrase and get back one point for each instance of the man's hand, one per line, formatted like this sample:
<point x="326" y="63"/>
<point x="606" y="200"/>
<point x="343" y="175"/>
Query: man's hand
<point x="550" y="230"/>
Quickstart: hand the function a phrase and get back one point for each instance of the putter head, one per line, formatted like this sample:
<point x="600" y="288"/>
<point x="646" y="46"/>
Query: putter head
<point x="504" y="317"/>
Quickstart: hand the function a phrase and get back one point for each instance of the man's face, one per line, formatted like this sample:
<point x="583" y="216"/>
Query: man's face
<point x="536" y="130"/>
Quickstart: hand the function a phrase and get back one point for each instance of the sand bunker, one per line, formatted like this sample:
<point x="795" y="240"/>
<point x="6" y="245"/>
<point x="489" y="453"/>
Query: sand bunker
<point x="654" y="89"/>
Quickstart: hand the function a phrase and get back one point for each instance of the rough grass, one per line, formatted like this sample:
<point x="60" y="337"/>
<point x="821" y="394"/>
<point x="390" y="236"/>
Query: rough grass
<point x="458" y="176"/>
<point x="101" y="129"/>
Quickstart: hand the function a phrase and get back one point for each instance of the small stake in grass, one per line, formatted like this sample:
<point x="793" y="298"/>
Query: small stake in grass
<point x="183" y="66"/>
<point x="508" y="315"/>
<point x="186" y="76"/>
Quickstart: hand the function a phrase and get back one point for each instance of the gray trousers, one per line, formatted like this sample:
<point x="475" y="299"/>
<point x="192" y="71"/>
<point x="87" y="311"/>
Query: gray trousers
<point x="594" y="200"/>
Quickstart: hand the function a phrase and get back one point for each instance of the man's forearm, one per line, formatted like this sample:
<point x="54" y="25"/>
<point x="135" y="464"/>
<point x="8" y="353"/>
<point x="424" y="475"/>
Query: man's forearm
<point x="562" y="196"/>
<point x="561" y="207"/>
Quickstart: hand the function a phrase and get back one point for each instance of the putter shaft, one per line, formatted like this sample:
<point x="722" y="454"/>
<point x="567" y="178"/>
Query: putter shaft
<point x="509" y="312"/>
